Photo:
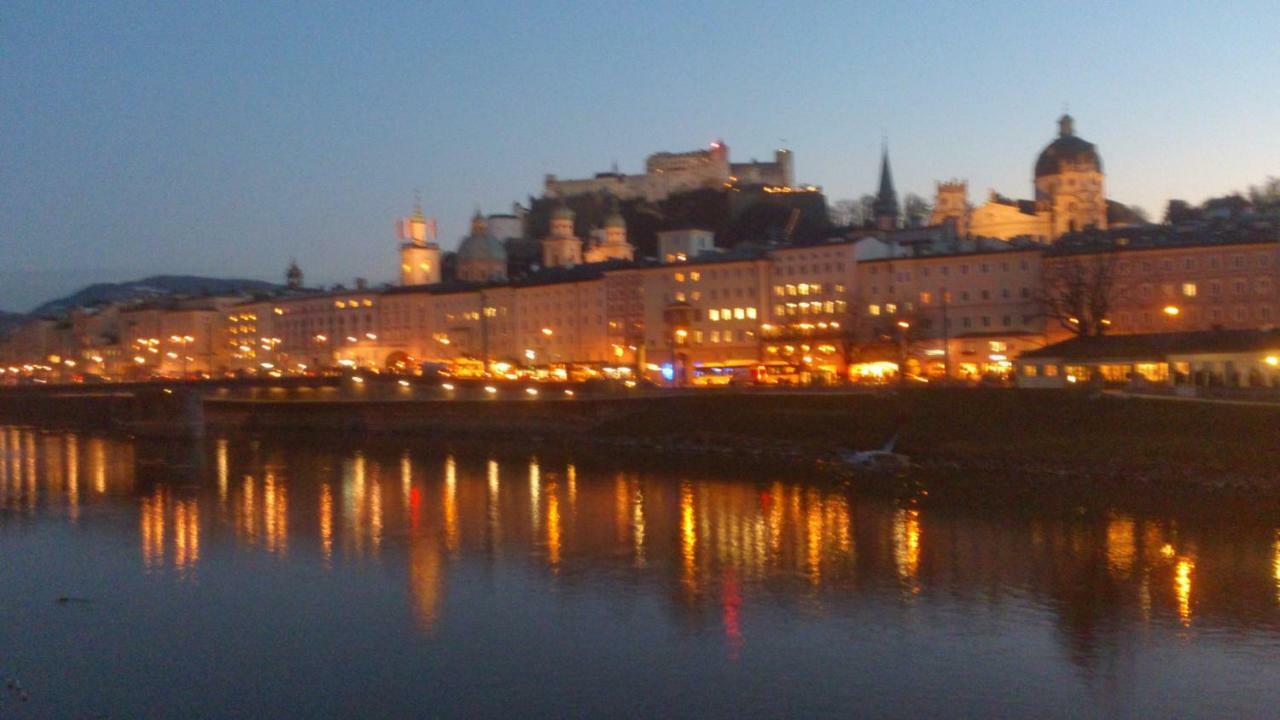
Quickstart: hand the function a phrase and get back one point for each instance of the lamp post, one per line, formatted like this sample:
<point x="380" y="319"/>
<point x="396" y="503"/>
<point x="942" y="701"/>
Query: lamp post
<point x="903" y="327"/>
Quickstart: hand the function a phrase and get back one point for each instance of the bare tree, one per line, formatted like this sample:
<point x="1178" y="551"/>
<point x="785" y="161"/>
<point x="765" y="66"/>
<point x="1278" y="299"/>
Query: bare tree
<point x="854" y="213"/>
<point x="1079" y="291"/>
<point x="842" y="212"/>
<point x="1266" y="197"/>
<point x="916" y="210"/>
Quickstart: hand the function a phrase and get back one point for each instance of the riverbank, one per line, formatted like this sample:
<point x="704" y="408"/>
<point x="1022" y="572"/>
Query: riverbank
<point x="1045" y="437"/>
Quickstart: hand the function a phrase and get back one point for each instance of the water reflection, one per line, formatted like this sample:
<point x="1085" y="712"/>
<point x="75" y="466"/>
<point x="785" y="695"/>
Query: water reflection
<point x="715" y="548"/>
<point x="169" y="531"/>
<point x="47" y="469"/>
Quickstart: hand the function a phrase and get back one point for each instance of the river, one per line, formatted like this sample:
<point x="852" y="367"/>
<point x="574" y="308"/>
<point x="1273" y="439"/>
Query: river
<point x="289" y="578"/>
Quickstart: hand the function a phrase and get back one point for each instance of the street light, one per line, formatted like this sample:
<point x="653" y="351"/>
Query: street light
<point x="1171" y="310"/>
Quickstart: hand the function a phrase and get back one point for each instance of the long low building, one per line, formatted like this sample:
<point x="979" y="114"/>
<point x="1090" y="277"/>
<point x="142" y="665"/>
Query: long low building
<point x="1206" y="358"/>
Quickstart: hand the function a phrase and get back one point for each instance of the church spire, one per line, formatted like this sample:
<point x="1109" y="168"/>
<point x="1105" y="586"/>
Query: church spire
<point x="886" y="205"/>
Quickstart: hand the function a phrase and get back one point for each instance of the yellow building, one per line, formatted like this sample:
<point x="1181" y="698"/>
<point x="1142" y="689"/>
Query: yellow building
<point x="1069" y="195"/>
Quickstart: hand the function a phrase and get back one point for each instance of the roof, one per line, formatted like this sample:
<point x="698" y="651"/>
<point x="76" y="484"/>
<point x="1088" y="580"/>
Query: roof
<point x="1158" y="346"/>
<point x="1161" y="237"/>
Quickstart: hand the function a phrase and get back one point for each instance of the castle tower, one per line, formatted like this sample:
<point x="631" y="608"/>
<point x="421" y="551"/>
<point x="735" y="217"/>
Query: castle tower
<point x="951" y="205"/>
<point x="419" y="254"/>
<point x="614" y="245"/>
<point x="293" y="276"/>
<point x="786" y="166"/>
<point x="561" y="248"/>
<point x="886" y="207"/>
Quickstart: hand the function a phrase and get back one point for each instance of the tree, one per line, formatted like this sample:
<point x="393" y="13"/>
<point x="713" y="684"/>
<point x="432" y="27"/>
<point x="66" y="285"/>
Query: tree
<point x="1266" y="197"/>
<point x="854" y="213"/>
<point x="1079" y="290"/>
<point x="916" y="210"/>
<point x="842" y="212"/>
<point x="1140" y="213"/>
<point x="1180" y="211"/>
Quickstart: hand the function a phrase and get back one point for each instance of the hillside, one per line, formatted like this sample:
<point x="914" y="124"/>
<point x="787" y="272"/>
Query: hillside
<point x="152" y="287"/>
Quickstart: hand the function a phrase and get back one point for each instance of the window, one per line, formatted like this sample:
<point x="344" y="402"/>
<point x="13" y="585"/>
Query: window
<point x="1029" y="370"/>
<point x="714" y="314"/>
<point x="873" y="309"/>
<point x="1188" y="289"/>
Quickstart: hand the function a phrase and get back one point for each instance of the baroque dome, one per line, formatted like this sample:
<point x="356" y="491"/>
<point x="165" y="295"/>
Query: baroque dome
<point x="480" y="245"/>
<point x="1067" y="152"/>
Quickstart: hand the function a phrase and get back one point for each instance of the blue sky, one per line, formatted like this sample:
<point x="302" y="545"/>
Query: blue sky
<point x="224" y="138"/>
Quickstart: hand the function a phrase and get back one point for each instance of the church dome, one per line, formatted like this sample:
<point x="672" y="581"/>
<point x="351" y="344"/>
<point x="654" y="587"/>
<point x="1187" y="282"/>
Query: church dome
<point x="480" y="245"/>
<point x="1067" y="152"/>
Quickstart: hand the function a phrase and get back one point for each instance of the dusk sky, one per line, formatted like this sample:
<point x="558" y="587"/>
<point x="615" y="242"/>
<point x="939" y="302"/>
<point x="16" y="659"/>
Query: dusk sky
<point x="221" y="139"/>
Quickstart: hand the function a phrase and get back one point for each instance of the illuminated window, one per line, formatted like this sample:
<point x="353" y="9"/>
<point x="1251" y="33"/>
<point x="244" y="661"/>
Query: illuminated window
<point x="829" y="307"/>
<point x="1188" y="289"/>
<point x="890" y="308"/>
<point x="679" y="297"/>
<point x="779" y="290"/>
<point x="679" y="277"/>
<point x="751" y="313"/>
<point x="726" y="313"/>
<point x="791" y="290"/>
<point x="873" y="309"/>
<point x="739" y="314"/>
<point x="714" y="314"/>
<point x="695" y="276"/>
<point x="715" y="336"/>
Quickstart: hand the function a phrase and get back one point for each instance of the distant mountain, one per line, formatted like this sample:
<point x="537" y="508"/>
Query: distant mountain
<point x="153" y="287"/>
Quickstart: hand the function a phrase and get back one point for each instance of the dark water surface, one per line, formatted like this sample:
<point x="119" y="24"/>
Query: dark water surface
<point x="285" y="579"/>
